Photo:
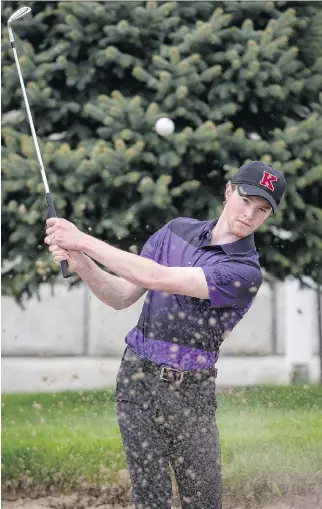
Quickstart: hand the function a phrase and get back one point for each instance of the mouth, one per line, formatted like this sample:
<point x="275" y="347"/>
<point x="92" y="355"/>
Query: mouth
<point x="243" y="223"/>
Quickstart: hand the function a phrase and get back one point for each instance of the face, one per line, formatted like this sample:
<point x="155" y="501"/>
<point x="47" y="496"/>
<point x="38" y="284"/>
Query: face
<point x="245" y="213"/>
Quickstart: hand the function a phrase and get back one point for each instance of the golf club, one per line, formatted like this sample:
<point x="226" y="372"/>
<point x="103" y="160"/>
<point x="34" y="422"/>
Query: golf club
<point x="52" y="212"/>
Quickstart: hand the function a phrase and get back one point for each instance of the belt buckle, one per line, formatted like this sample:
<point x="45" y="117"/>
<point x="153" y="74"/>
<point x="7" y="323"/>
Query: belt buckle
<point x="164" y="370"/>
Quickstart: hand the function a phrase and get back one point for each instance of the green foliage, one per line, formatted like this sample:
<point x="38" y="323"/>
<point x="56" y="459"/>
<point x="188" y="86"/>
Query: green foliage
<point x="241" y="80"/>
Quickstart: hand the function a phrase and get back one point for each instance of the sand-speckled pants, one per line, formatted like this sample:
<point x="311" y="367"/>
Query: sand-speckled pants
<point x="166" y="423"/>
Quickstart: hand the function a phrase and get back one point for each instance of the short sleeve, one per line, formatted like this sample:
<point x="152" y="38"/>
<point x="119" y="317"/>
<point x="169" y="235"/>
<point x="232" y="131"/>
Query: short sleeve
<point x="232" y="284"/>
<point x="150" y="247"/>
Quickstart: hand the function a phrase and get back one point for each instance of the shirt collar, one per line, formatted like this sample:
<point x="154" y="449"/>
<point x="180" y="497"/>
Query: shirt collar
<point x="238" y="247"/>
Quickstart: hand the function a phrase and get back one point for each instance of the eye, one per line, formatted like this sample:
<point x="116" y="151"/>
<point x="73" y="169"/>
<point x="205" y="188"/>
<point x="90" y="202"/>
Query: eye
<point x="245" y="200"/>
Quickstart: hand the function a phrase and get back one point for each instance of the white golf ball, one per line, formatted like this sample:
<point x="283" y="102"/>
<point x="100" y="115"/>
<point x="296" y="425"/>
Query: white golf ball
<point x="164" y="126"/>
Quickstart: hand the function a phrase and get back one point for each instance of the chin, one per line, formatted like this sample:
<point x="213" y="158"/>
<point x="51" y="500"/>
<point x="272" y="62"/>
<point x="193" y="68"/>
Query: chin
<point x="239" y="230"/>
<point x="238" y="233"/>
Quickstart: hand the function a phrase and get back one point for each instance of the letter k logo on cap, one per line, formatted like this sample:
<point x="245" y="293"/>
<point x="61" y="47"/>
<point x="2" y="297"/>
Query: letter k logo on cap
<point x="267" y="180"/>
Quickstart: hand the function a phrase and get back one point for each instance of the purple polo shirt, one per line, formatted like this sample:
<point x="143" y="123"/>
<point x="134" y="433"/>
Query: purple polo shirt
<point x="185" y="332"/>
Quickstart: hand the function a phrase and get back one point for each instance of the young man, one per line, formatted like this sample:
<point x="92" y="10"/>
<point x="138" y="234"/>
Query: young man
<point x="201" y="278"/>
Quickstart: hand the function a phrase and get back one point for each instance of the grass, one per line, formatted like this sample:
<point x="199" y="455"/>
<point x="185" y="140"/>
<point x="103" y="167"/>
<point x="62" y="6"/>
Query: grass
<point x="271" y="439"/>
<point x="55" y="438"/>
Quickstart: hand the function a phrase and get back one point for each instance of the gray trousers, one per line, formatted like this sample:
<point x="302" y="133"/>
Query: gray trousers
<point x="168" y="422"/>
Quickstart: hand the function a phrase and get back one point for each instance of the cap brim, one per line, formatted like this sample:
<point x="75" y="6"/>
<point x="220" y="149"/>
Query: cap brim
<point x="249" y="190"/>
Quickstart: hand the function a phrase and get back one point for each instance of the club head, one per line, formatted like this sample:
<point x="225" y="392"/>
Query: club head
<point x="20" y="13"/>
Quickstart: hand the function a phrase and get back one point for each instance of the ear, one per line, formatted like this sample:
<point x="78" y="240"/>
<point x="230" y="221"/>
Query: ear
<point x="229" y="190"/>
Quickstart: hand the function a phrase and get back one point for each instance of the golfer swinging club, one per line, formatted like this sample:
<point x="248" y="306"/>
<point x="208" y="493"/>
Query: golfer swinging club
<point x="201" y="277"/>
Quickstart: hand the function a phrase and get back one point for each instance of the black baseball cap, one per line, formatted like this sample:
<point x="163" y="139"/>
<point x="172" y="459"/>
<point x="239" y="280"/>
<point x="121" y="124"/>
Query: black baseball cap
<point x="257" y="178"/>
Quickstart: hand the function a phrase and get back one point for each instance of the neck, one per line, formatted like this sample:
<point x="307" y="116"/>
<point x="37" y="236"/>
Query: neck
<point x="221" y="233"/>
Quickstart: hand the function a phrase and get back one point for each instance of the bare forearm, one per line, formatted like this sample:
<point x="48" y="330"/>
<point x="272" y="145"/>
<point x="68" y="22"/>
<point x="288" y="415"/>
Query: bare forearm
<point x="106" y="287"/>
<point x="136" y="269"/>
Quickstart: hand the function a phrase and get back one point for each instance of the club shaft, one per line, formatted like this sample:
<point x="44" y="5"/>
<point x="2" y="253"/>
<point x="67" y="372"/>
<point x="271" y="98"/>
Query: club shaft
<point x="33" y="132"/>
<point x="50" y="203"/>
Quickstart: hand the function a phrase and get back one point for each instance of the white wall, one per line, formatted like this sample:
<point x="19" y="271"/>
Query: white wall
<point x="52" y="326"/>
<point x="74" y="322"/>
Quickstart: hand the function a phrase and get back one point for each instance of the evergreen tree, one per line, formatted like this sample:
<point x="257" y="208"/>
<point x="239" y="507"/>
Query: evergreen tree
<point x="241" y="80"/>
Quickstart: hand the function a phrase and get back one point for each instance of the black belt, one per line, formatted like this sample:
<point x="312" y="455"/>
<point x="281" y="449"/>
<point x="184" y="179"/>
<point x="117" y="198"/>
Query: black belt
<point x="169" y="374"/>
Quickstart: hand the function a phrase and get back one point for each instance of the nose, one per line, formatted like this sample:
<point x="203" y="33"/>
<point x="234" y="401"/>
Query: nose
<point x="249" y="213"/>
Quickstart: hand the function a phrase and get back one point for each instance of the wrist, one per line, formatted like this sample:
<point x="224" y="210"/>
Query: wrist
<point x="83" y="242"/>
<point x="83" y="263"/>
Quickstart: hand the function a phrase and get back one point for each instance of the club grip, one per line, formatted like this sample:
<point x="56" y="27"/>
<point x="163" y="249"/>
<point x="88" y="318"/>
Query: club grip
<point x="52" y="213"/>
<point x="65" y="269"/>
<point x="51" y="206"/>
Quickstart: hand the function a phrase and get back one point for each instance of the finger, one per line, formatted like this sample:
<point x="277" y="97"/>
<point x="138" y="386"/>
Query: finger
<point x="58" y="259"/>
<point x="55" y="247"/>
<point x="51" y="230"/>
<point x="60" y="252"/>
<point x="50" y="240"/>
<point x="51" y="221"/>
